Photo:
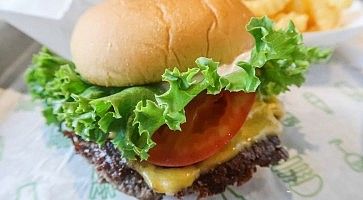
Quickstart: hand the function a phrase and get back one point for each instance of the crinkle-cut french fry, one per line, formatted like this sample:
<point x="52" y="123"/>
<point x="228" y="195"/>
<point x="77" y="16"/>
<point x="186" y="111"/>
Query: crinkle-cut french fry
<point x="300" y="20"/>
<point x="265" y="7"/>
<point x="324" y="15"/>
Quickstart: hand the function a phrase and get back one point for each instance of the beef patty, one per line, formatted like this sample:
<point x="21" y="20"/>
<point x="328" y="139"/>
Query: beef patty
<point x="112" y="168"/>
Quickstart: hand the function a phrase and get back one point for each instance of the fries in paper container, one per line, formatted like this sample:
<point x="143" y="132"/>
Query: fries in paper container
<point x="308" y="15"/>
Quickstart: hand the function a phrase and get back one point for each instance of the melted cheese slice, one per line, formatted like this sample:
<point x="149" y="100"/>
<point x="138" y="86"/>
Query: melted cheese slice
<point x="263" y="119"/>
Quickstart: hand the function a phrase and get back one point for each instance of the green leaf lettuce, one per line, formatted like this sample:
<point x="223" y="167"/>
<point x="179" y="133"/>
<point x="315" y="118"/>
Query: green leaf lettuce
<point x="129" y="116"/>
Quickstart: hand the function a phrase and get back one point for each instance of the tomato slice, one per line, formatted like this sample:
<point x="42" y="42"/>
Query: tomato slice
<point x="212" y="121"/>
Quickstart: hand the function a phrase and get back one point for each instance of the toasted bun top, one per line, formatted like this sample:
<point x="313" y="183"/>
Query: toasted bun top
<point x="132" y="42"/>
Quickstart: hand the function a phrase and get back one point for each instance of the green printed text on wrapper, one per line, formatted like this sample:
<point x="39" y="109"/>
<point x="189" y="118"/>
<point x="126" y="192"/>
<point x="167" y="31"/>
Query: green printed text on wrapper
<point x="235" y="194"/>
<point x="27" y="191"/>
<point x="101" y="191"/>
<point x="290" y="120"/>
<point x="299" y="176"/>
<point x="350" y="91"/>
<point x="317" y="102"/>
<point x="353" y="160"/>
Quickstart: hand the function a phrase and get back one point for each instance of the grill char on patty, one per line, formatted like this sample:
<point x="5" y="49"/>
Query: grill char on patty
<point x="113" y="169"/>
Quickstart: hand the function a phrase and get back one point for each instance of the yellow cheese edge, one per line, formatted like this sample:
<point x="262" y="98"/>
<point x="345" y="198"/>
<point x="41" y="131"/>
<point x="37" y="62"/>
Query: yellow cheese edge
<point x="263" y="119"/>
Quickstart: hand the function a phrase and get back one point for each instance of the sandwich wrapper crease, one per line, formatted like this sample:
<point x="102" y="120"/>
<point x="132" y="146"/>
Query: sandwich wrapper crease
<point x="323" y="129"/>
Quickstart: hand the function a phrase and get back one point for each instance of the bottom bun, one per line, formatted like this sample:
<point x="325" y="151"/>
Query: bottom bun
<point x="112" y="168"/>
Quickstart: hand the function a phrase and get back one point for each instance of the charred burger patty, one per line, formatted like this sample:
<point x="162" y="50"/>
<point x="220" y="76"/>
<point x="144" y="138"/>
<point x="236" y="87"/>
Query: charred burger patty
<point x="113" y="169"/>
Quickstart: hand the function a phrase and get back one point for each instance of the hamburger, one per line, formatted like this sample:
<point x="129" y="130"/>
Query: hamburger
<point x="154" y="100"/>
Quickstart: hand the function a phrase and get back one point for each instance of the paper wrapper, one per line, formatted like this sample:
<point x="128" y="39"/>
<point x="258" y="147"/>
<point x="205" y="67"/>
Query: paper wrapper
<point x="323" y="128"/>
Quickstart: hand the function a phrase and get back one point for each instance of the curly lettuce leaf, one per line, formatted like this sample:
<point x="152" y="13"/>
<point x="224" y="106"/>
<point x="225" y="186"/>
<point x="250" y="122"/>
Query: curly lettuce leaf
<point x="44" y="65"/>
<point x="279" y="57"/>
<point x="183" y="87"/>
<point x="92" y="112"/>
<point x="278" y="60"/>
<point x="128" y="117"/>
<point x="52" y="79"/>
